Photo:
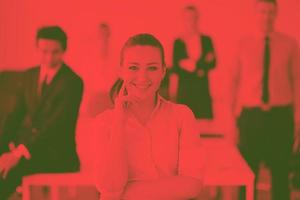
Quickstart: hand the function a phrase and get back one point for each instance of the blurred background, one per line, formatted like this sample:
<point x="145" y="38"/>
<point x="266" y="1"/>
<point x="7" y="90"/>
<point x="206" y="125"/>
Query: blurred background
<point x="226" y="21"/>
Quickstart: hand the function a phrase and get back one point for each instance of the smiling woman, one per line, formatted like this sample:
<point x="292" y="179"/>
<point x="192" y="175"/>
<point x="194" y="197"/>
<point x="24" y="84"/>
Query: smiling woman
<point x="146" y="145"/>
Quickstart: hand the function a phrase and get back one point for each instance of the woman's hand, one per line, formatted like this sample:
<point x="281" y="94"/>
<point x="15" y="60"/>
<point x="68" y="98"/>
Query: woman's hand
<point x="200" y="73"/>
<point x="210" y="57"/>
<point x="122" y="103"/>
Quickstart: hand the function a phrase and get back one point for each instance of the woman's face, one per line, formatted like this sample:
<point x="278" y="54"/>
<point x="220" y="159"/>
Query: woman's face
<point x="190" y="21"/>
<point x="142" y="71"/>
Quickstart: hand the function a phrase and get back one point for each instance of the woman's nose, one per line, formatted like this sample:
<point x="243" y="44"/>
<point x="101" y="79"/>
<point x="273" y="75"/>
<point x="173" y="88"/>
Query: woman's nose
<point x="142" y="75"/>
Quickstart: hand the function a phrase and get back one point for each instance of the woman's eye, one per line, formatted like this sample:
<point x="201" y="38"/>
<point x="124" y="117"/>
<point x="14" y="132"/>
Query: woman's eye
<point x="133" y="68"/>
<point x="152" y="68"/>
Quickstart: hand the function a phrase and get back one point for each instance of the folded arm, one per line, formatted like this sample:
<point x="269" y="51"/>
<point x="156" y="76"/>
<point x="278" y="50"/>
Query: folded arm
<point x="167" y="188"/>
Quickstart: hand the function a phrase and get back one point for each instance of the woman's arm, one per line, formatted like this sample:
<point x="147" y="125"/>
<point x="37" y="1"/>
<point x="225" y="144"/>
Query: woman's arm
<point x="168" y="188"/>
<point x="191" y="151"/>
<point x="113" y="174"/>
<point x="181" y="63"/>
<point x="209" y="61"/>
<point x="112" y="166"/>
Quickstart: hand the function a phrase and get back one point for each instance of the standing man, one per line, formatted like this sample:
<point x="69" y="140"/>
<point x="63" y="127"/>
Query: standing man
<point x="266" y="80"/>
<point x="40" y="132"/>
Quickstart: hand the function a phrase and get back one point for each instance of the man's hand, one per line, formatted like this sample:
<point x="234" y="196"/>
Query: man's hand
<point x="296" y="139"/>
<point x="7" y="161"/>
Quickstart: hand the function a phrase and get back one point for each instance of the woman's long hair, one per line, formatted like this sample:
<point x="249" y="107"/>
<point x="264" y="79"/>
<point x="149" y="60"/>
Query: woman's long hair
<point x="115" y="89"/>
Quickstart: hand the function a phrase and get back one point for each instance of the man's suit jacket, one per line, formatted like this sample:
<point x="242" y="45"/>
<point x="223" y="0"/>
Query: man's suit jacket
<point x="46" y="124"/>
<point x="10" y="81"/>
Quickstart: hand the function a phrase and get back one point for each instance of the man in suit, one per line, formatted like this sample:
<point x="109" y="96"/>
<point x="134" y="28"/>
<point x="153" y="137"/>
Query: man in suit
<point x="39" y="135"/>
<point x="267" y="94"/>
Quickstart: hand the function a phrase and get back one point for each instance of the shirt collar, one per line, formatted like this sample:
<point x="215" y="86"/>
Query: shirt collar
<point x="49" y="73"/>
<point x="260" y="35"/>
<point x="160" y="101"/>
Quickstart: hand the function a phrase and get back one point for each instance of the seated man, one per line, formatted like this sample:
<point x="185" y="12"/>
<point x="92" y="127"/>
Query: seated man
<point x="39" y="135"/>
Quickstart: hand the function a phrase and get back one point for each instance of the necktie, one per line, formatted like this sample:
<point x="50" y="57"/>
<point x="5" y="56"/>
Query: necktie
<point x="44" y="86"/>
<point x="265" y="92"/>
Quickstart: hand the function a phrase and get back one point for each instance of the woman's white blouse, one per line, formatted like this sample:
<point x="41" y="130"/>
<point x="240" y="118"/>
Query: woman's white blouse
<point x="167" y="145"/>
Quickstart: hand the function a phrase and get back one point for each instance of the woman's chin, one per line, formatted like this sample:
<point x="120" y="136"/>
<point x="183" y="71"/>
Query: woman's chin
<point x="143" y="96"/>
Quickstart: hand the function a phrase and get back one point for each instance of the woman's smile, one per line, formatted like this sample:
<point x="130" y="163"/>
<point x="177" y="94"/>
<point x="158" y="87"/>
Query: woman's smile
<point x="141" y="86"/>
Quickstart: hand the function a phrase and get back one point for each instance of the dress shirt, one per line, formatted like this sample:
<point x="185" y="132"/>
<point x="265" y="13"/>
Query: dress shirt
<point x="48" y="74"/>
<point x="284" y="72"/>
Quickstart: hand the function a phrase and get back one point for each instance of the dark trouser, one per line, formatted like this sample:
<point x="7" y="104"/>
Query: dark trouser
<point x="32" y="166"/>
<point x="268" y="136"/>
<point x="14" y="179"/>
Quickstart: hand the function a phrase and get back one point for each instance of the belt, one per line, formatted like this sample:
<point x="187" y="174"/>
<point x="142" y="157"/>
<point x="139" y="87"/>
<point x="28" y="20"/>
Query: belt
<point x="268" y="107"/>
